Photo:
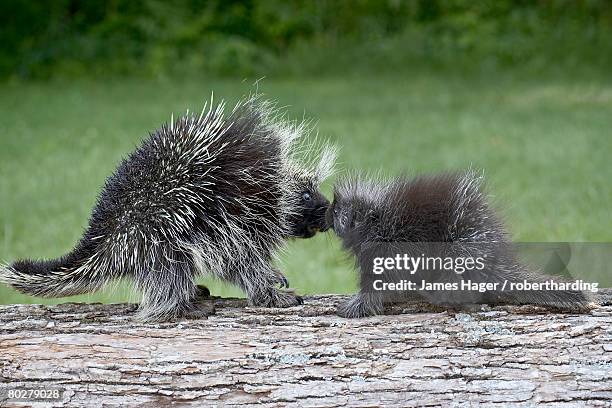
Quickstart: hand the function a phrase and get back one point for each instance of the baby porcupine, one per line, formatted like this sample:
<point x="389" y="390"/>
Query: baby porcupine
<point x="209" y="193"/>
<point x="444" y="215"/>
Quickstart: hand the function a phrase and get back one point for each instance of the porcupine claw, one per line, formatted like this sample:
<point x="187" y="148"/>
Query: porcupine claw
<point x="281" y="279"/>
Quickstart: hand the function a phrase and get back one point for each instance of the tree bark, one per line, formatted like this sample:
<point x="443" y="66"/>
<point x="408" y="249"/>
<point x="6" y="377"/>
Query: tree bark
<point x="306" y="356"/>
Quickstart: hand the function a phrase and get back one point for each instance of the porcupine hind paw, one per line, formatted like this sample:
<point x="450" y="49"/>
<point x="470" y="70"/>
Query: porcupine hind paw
<point x="199" y="310"/>
<point x="202" y="293"/>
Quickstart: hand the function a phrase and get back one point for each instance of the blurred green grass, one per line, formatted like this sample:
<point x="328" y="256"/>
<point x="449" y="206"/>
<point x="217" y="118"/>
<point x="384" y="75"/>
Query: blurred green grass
<point x="544" y="143"/>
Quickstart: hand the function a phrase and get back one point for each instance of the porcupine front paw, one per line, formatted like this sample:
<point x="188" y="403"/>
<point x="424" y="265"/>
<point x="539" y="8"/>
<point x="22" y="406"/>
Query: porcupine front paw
<point x="286" y="298"/>
<point x="277" y="298"/>
<point x="357" y="306"/>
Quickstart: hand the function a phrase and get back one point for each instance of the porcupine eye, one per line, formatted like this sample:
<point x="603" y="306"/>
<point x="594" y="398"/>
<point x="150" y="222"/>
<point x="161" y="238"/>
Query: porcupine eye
<point x="306" y="197"/>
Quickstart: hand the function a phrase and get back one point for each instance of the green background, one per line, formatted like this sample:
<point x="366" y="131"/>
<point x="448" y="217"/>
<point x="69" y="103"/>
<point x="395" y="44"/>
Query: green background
<point x="520" y="89"/>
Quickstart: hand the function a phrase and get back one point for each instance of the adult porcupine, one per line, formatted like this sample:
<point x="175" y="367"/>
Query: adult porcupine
<point x="213" y="193"/>
<point x="442" y="217"/>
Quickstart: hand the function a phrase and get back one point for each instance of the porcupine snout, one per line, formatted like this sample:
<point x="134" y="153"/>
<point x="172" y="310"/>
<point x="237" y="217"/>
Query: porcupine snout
<point x="321" y="215"/>
<point x="315" y="218"/>
<point x="329" y="218"/>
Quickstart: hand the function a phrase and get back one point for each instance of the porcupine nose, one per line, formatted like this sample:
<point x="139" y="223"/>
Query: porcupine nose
<point x="329" y="219"/>
<point x="320" y="216"/>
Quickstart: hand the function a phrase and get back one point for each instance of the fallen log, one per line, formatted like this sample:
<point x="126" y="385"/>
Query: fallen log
<point x="94" y="354"/>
